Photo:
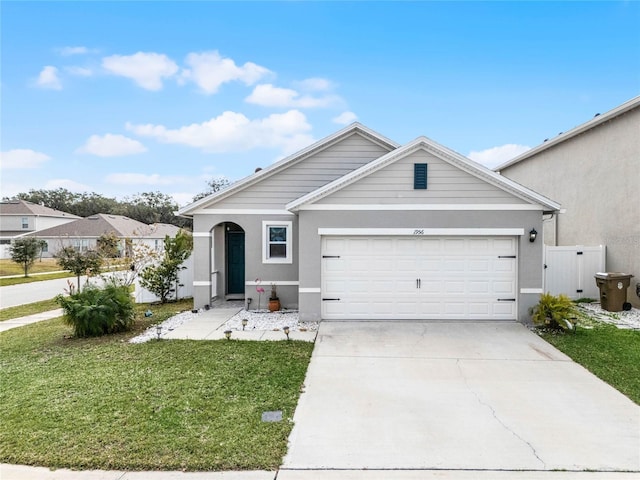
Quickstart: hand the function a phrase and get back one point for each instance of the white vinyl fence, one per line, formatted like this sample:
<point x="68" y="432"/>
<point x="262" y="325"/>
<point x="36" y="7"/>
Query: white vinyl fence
<point x="185" y="278"/>
<point x="570" y="270"/>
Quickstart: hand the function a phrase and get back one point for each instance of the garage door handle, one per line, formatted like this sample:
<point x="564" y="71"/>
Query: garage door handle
<point x="330" y="299"/>
<point x="330" y="256"/>
<point x="506" y="256"/>
<point x="506" y="299"/>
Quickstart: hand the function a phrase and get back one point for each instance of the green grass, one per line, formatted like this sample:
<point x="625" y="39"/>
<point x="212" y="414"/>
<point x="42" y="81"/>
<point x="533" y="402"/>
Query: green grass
<point x="609" y="353"/>
<point x="28" y="309"/>
<point x="5" y="282"/>
<point x="167" y="405"/>
<point x="9" y="267"/>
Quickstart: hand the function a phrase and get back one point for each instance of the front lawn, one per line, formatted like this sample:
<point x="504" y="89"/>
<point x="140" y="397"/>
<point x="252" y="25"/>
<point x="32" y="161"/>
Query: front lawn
<point x="163" y="405"/>
<point x="610" y="353"/>
<point x="28" y="309"/>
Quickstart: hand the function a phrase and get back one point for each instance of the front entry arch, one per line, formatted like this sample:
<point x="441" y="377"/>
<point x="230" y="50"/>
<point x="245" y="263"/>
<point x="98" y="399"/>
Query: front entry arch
<point x="234" y="254"/>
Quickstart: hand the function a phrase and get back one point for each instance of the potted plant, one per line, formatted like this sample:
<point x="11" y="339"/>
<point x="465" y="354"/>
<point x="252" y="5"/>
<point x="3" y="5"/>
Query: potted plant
<point x="274" y="301"/>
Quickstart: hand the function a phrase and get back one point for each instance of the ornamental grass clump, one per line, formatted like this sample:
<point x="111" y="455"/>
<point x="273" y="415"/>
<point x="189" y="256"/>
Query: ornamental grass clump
<point x="555" y="312"/>
<point x="95" y="311"/>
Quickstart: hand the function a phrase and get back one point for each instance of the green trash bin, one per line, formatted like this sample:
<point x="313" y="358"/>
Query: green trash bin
<point x="613" y="290"/>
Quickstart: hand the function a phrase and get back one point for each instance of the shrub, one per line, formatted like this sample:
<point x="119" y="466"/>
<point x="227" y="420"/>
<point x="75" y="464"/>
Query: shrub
<point x="95" y="311"/>
<point x="555" y="312"/>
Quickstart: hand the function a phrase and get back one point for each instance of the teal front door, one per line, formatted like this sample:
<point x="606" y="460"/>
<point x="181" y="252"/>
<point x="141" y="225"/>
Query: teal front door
<point x="235" y="263"/>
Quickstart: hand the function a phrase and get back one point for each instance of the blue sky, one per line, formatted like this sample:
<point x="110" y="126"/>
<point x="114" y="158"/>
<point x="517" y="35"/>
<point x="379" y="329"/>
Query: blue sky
<point x="126" y="97"/>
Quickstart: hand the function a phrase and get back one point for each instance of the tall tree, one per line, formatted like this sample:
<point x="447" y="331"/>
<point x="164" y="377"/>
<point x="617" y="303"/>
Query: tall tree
<point x="214" y="185"/>
<point x="25" y="251"/>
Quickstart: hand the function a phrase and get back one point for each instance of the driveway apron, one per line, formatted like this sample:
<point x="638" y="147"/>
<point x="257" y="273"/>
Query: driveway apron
<point x="456" y="396"/>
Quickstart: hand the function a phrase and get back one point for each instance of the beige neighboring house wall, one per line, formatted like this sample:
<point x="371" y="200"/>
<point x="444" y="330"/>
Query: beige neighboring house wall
<point x="593" y="171"/>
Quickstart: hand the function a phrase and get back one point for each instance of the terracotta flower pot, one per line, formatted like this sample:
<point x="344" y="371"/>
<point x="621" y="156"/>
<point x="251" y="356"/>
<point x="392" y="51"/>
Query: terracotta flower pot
<point x="274" y="305"/>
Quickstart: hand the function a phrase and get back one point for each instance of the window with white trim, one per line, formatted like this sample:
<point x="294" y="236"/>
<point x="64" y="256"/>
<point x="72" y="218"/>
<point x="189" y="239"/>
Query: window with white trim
<point x="276" y="242"/>
<point x="25" y="222"/>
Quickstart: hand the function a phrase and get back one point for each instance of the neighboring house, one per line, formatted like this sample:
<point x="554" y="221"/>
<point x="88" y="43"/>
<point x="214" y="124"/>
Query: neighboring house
<point x="593" y="170"/>
<point x="83" y="234"/>
<point x="19" y="217"/>
<point x="357" y="227"/>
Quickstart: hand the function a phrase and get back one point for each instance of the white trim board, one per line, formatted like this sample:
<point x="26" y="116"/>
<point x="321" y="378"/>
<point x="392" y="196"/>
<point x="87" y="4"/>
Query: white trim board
<point x="430" y="206"/>
<point x="421" y="231"/>
<point x="201" y="283"/>
<point x="201" y="234"/>
<point x="242" y="211"/>
<point x="309" y="290"/>
<point x="531" y="290"/>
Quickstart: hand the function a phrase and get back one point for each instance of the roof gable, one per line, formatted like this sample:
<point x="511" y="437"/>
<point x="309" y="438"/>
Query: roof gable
<point x="446" y="155"/>
<point x="270" y="171"/>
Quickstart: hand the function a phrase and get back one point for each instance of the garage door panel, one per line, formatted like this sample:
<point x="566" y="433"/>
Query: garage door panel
<point x="460" y="278"/>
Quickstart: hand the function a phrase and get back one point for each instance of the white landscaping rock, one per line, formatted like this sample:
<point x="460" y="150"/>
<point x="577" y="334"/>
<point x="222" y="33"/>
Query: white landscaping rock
<point x="266" y="320"/>
<point x="629" y="319"/>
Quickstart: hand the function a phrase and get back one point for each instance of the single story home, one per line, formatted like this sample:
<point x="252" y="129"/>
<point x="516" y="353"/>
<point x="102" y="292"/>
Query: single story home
<point x="596" y="178"/>
<point x="356" y="226"/>
<point x="83" y="233"/>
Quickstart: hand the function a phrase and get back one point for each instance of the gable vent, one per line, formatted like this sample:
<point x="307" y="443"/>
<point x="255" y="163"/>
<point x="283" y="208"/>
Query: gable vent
<point x="420" y="176"/>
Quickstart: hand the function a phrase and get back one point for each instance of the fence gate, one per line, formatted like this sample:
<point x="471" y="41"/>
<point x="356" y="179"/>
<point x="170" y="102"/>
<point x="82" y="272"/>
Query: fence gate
<point x="570" y="270"/>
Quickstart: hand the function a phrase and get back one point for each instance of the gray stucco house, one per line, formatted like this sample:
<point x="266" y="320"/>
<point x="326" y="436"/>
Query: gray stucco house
<point x="358" y="227"/>
<point x="593" y="170"/>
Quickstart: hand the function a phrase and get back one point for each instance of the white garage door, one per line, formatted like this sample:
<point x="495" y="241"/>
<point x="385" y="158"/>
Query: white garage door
<point x="380" y="278"/>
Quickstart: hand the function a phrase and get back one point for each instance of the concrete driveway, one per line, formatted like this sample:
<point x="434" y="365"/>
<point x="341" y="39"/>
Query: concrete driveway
<point x="487" y="396"/>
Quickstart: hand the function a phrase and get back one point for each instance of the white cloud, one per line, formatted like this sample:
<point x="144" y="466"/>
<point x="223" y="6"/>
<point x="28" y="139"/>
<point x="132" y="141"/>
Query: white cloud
<point x="182" y="198"/>
<point x="68" y="51"/>
<point x="314" y="84"/>
<point x="492" y="157"/>
<point x="345" y="118"/>
<point x="144" y="179"/>
<point x="147" y="69"/>
<point x="71" y="185"/>
<point x="79" y="71"/>
<point x="209" y="70"/>
<point x="48" y="78"/>
<point x="22" y="159"/>
<point x="110" y="145"/>
<point x="233" y="132"/>
<point x="267" y="95"/>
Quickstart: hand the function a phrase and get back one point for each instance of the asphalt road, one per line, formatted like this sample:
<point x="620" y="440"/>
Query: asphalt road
<point x="14" y="295"/>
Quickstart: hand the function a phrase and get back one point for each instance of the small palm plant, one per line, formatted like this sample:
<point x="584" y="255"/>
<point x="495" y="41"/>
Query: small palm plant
<point x="555" y="312"/>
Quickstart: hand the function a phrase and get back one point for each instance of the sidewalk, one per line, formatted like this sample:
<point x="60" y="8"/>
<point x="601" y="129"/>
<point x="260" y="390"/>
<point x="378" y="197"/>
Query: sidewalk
<point x="36" y="317"/>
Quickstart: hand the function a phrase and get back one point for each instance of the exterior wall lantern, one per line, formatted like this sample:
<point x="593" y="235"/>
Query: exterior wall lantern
<point x="532" y="235"/>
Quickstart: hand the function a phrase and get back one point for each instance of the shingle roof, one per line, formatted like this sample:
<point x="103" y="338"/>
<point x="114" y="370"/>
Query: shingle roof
<point x="22" y="207"/>
<point x="102" y="223"/>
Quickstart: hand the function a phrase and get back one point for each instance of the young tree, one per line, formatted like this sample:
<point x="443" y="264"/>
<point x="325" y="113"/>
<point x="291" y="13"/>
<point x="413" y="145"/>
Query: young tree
<point x="108" y="245"/>
<point x="80" y="263"/>
<point x="162" y="279"/>
<point x="25" y="251"/>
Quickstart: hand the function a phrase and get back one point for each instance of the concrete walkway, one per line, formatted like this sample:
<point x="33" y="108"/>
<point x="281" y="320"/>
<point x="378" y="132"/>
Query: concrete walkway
<point x="36" y="317"/>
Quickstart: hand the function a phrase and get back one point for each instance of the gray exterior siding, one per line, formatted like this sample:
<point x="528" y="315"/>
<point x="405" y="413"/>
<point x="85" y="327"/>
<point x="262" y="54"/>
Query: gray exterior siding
<point x="297" y="180"/>
<point x="393" y="184"/>
<point x="529" y="254"/>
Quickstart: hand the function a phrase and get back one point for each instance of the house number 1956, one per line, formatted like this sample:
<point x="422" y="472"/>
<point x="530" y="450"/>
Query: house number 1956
<point x="418" y="232"/>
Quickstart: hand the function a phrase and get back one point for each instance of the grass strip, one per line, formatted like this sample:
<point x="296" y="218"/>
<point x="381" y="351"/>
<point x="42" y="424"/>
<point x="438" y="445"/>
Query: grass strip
<point x="163" y="405"/>
<point x="9" y="267"/>
<point x="5" y="282"/>
<point x="610" y="353"/>
<point x="28" y="309"/>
